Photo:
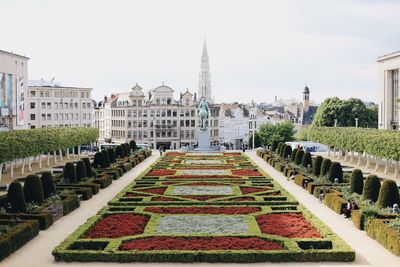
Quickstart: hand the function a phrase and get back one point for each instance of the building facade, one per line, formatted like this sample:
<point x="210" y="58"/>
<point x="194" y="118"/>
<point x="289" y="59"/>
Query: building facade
<point x="13" y="83"/>
<point x="205" y="77"/>
<point x="389" y="104"/>
<point x="51" y="105"/>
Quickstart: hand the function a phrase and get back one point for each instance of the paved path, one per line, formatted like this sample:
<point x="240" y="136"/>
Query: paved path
<point x="37" y="253"/>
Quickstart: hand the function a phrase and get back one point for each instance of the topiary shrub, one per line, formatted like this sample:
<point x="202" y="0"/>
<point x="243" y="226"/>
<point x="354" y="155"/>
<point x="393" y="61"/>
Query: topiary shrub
<point x="335" y="171"/>
<point x="299" y="156"/>
<point x="126" y="149"/>
<point x="88" y="167"/>
<point x="119" y="152"/>
<point x="371" y="188"/>
<point x="356" y="181"/>
<point x="111" y="155"/>
<point x="280" y="148"/>
<point x="132" y="145"/>
<point x="16" y="197"/>
<point x="80" y="170"/>
<point x="287" y="151"/>
<point x="70" y="173"/>
<point x="99" y="160"/>
<point x="48" y="186"/>
<point x="317" y="165"/>
<point x="293" y="156"/>
<point x="325" y="167"/>
<point x="33" y="190"/>
<point x="274" y="145"/>
<point x="388" y="194"/>
<point x="306" y="160"/>
<point x="106" y="158"/>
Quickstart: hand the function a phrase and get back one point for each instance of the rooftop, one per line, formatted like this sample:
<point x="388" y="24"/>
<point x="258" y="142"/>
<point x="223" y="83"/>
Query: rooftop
<point x="388" y="56"/>
<point x="52" y="84"/>
<point x="13" y="54"/>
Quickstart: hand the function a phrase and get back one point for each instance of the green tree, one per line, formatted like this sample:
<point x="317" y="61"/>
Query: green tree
<point x="257" y="140"/>
<point x="282" y="132"/>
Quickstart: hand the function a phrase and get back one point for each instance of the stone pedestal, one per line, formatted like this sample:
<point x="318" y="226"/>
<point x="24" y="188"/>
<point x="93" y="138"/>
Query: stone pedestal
<point x="204" y="139"/>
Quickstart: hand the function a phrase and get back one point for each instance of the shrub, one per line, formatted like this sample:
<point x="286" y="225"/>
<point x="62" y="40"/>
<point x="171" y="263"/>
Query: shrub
<point x="80" y="170"/>
<point x="335" y="171"/>
<point x="325" y="166"/>
<point x="48" y="186"/>
<point x="299" y="156"/>
<point x="274" y="145"/>
<point x="111" y="155"/>
<point x="106" y="158"/>
<point x="70" y="173"/>
<point x="356" y="181"/>
<point x="293" y="156"/>
<point x="33" y="190"/>
<point x="88" y="166"/>
<point x="16" y="197"/>
<point x="306" y="160"/>
<point x="126" y="149"/>
<point x="132" y="145"/>
<point x="99" y="160"/>
<point x="388" y="194"/>
<point x="287" y="151"/>
<point x="371" y="188"/>
<point x="388" y="236"/>
<point x="317" y="165"/>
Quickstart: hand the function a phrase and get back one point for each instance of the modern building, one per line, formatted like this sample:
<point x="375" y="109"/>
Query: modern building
<point x="389" y="103"/>
<point x="13" y="83"/>
<point x="51" y="105"/>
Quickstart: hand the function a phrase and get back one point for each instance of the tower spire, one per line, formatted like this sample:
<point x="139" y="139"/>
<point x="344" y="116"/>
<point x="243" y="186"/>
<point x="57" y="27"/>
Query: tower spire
<point x="205" y="76"/>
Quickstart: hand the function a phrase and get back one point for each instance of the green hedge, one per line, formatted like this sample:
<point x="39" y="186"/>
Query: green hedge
<point x="335" y="202"/>
<point x="385" y="235"/>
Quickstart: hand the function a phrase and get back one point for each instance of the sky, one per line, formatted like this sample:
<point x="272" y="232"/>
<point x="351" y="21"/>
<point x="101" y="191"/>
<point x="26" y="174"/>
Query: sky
<point x="257" y="49"/>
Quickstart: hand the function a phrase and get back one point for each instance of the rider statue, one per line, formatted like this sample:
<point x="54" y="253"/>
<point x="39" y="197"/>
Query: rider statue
<point x="203" y="114"/>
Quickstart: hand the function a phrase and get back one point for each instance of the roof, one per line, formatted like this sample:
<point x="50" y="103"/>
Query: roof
<point x="388" y="56"/>
<point x="13" y="54"/>
<point x="306" y="90"/>
<point x="163" y="88"/>
<point x="136" y="91"/>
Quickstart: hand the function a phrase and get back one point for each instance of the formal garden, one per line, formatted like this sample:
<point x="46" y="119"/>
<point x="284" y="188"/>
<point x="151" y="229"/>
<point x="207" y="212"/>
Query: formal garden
<point x="203" y="207"/>
<point x="33" y="203"/>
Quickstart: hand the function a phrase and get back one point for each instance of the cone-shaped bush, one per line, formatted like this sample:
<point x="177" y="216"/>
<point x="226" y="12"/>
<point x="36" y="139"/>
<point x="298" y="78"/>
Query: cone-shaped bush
<point x="280" y="148"/>
<point x="80" y="170"/>
<point x="356" y="181"/>
<point x="16" y="197"/>
<point x="293" y="156"/>
<point x="111" y="155"/>
<point x="132" y="145"/>
<point x="126" y="149"/>
<point x="335" y="171"/>
<point x="371" y="189"/>
<point x="287" y="151"/>
<point x="388" y="194"/>
<point x="106" y="159"/>
<point x="274" y="145"/>
<point x="325" y="166"/>
<point x="33" y="190"/>
<point x="306" y="160"/>
<point x="48" y="186"/>
<point x="299" y="156"/>
<point x="70" y="173"/>
<point x="99" y="160"/>
<point x="88" y="167"/>
<point x="317" y="165"/>
<point x="119" y="153"/>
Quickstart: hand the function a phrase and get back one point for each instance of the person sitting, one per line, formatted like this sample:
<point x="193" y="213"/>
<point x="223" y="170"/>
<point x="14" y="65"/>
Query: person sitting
<point x="306" y="181"/>
<point x="321" y="195"/>
<point x="348" y="209"/>
<point x="294" y="173"/>
<point x="396" y="209"/>
<point x="355" y="206"/>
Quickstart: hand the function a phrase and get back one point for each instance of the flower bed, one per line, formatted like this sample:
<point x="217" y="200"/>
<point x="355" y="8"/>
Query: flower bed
<point x="161" y="172"/>
<point x="246" y="172"/>
<point x="203" y="210"/>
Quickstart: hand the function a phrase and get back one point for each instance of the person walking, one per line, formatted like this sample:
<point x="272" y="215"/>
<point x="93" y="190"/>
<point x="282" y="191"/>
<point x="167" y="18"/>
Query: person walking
<point x="161" y="150"/>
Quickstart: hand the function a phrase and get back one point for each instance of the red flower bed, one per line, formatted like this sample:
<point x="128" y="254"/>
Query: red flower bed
<point x="200" y="243"/>
<point x="118" y="225"/>
<point x="164" y="199"/>
<point x="201" y="198"/>
<point x="208" y="167"/>
<point x="249" y="190"/>
<point x="203" y="210"/>
<point x="241" y="199"/>
<point x="232" y="154"/>
<point x="204" y="184"/>
<point x="159" y="190"/>
<point x="161" y="172"/>
<point x="290" y="225"/>
<point x="175" y="154"/>
<point x="135" y="195"/>
<point x="204" y="177"/>
<point x="245" y="172"/>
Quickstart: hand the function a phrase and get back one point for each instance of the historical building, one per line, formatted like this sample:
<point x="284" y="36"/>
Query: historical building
<point x="301" y="113"/>
<point x="389" y="105"/>
<point x="205" y="77"/>
<point x="51" y="105"/>
<point x="13" y="83"/>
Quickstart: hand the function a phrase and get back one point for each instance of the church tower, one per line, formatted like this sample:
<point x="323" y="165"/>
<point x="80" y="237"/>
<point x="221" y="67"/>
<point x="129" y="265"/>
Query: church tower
<point x="306" y="99"/>
<point x="205" y="77"/>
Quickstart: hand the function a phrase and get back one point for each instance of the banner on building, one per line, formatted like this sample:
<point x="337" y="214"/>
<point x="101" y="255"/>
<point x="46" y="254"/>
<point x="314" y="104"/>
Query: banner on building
<point x="2" y="91"/>
<point x="20" y="83"/>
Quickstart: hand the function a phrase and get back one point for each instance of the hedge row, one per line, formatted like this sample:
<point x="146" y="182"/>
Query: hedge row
<point x="385" y="235"/>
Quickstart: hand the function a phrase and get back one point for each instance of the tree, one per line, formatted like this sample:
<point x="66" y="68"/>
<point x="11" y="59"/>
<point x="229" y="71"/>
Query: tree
<point x="388" y="194"/>
<point x="257" y="140"/>
<point x="317" y="165"/>
<point x="16" y="197"/>
<point x="335" y="172"/>
<point x="282" y="132"/>
<point x="356" y="181"/>
<point x="48" y="186"/>
<point x="33" y="189"/>
<point x="371" y="188"/>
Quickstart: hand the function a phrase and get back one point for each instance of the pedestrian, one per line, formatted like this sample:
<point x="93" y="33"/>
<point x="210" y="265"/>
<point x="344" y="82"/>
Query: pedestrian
<point x="161" y="150"/>
<point x="321" y="194"/>
<point x="348" y="209"/>
<point x="396" y="209"/>
<point x="306" y="181"/>
<point x="244" y="148"/>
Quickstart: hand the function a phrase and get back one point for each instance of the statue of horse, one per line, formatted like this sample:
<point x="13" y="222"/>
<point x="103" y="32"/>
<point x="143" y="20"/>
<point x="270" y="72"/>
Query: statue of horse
<point x="203" y="114"/>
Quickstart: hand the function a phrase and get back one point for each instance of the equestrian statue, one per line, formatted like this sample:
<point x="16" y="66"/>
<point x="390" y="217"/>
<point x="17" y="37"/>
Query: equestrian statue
<point x="203" y="114"/>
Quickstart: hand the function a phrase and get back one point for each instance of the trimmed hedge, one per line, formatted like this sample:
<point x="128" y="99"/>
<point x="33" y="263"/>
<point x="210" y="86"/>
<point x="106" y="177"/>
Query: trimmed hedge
<point x="80" y="170"/>
<point x="335" y="202"/>
<point x="306" y="160"/>
<point x="48" y="184"/>
<point x="388" y="194"/>
<point x="16" y="197"/>
<point x="70" y="173"/>
<point x="325" y="166"/>
<point x="88" y="166"/>
<point x="371" y="189"/>
<point x="111" y="155"/>
<point x="287" y="152"/>
<point x="99" y="161"/>
<point x="356" y="181"/>
<point x="299" y="156"/>
<point x="132" y="145"/>
<point x="293" y="156"/>
<point x="33" y="190"/>
<point x="317" y="166"/>
<point x="385" y="235"/>
<point x="106" y="158"/>
<point x="274" y="145"/>
<point x="335" y="171"/>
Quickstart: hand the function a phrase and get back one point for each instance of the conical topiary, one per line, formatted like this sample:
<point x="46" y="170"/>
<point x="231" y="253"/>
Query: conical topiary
<point x="388" y="194"/>
<point x="299" y="156"/>
<point x="106" y="159"/>
<point x="119" y="152"/>
<point x="132" y="145"/>
<point x="287" y="152"/>
<point x="99" y="161"/>
<point x="306" y="160"/>
<point x="335" y="171"/>
<point x="70" y="173"/>
<point x="356" y="181"/>
<point x="293" y="156"/>
<point x="33" y="190"/>
<point x="372" y="187"/>
<point x="88" y="166"/>
<point x="126" y="149"/>
<point x="16" y="197"/>
<point x="48" y="186"/>
<point x="274" y="145"/>
<point x="111" y="155"/>
<point x="317" y="165"/>
<point x="80" y="170"/>
<point x="325" y="167"/>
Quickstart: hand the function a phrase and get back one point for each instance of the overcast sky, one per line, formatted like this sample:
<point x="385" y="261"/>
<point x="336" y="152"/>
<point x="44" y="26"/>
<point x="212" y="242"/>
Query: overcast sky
<point x="257" y="49"/>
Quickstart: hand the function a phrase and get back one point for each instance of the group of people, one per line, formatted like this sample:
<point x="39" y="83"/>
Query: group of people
<point x="350" y="206"/>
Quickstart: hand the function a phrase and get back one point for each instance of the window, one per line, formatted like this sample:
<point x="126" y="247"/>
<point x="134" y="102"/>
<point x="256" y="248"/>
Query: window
<point x="169" y="101"/>
<point x="43" y="117"/>
<point x="174" y="113"/>
<point x="168" y="113"/>
<point x="49" y="117"/>
<point x="33" y="104"/>
<point x="158" y="101"/>
<point x="82" y="95"/>
<point x="134" y="113"/>
<point x="144" y="123"/>
<point x="32" y="93"/>
<point x="71" y="105"/>
<point x="56" y="116"/>
<point x="163" y="113"/>
<point x="33" y="117"/>
<point x="129" y="113"/>
<point x="83" y="105"/>
<point x="65" y="105"/>
<point x="139" y="113"/>
<point x="56" y="105"/>
<point x="57" y="94"/>
<point x="158" y="113"/>
<point x="48" y="105"/>
<point x="145" y="113"/>
<point x="43" y="105"/>
<point x="47" y="94"/>
<point x="41" y="94"/>
<point x="140" y="124"/>
<point x="192" y="113"/>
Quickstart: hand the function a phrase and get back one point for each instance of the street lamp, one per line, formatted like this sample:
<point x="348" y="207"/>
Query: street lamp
<point x="356" y="119"/>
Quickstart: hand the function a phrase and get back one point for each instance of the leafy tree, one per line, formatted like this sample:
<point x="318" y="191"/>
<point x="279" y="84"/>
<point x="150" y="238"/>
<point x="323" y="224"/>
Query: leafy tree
<point x="282" y="132"/>
<point x="257" y="140"/>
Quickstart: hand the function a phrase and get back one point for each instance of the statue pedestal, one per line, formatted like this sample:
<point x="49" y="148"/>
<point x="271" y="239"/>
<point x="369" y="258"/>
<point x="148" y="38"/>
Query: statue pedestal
<point x="204" y="139"/>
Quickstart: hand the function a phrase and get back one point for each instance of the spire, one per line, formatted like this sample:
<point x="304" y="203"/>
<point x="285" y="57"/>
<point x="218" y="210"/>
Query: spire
<point x="205" y="76"/>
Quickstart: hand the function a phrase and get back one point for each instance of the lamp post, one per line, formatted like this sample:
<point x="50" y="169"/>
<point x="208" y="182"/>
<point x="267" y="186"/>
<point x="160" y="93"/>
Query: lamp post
<point x="154" y="133"/>
<point x="356" y="119"/>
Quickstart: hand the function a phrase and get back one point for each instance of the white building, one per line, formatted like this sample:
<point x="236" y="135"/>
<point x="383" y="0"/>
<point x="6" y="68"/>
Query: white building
<point x="51" y="105"/>
<point x="13" y="82"/>
<point x="389" y="104"/>
<point x="233" y="125"/>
